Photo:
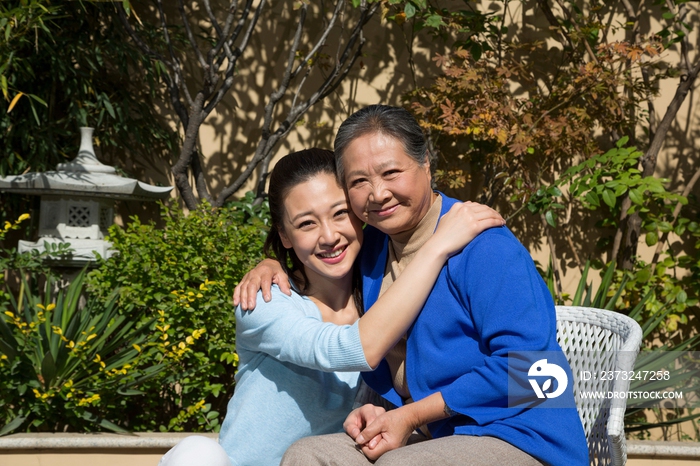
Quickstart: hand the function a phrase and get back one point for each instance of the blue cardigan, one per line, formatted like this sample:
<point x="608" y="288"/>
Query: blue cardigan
<point x="488" y="300"/>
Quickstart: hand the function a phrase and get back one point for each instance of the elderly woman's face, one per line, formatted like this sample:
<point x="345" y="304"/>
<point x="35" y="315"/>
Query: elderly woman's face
<point x="387" y="188"/>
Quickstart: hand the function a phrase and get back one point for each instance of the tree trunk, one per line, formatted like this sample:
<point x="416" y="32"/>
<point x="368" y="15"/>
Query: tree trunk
<point x="630" y="226"/>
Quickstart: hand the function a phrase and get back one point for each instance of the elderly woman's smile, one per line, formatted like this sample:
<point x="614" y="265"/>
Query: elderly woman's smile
<point x="387" y="188"/>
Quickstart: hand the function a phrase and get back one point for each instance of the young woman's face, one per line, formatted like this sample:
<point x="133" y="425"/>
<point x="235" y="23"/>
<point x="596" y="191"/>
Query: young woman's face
<point x="387" y="188"/>
<point x="320" y="227"/>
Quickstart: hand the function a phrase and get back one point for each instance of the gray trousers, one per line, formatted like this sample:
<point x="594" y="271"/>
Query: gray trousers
<point x="340" y="450"/>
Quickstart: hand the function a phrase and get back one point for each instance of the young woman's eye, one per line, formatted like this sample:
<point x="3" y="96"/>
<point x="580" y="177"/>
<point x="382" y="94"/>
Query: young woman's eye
<point x="342" y="212"/>
<point x="305" y="224"/>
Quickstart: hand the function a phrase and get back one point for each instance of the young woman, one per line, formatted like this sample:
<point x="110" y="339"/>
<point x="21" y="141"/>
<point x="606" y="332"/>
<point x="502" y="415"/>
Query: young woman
<point x="290" y="347"/>
<point x="450" y="375"/>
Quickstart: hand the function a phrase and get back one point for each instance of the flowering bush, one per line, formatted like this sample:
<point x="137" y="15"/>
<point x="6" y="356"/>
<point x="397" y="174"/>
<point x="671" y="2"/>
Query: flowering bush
<point x="182" y="275"/>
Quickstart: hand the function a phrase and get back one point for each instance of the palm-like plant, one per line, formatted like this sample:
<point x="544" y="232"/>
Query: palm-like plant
<point x="676" y="357"/>
<point x="63" y="363"/>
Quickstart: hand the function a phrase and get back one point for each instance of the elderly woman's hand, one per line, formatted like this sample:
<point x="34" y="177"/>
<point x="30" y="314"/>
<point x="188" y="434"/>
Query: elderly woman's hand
<point x="385" y="432"/>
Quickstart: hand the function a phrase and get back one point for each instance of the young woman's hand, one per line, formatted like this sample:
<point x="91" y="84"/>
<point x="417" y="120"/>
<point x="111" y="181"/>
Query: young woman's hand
<point x="262" y="277"/>
<point x="463" y="223"/>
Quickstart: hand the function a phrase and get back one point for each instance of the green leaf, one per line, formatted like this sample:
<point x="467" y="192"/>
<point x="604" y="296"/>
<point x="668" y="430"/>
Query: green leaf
<point x="38" y="99"/>
<point x="592" y="198"/>
<point x="651" y="238"/>
<point x="476" y="51"/>
<point x="3" y="85"/>
<point x="409" y="10"/>
<point x="109" y="108"/>
<point x="48" y="369"/>
<point x="36" y="117"/>
<point x="551" y="219"/>
<point x="12" y="425"/>
<point x="434" y="21"/>
<point x="636" y="196"/>
<point x="669" y="15"/>
<point x="621" y="143"/>
<point x="609" y="198"/>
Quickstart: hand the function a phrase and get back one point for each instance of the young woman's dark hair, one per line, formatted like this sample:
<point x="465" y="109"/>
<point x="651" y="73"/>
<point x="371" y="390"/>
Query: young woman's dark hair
<point x="290" y="171"/>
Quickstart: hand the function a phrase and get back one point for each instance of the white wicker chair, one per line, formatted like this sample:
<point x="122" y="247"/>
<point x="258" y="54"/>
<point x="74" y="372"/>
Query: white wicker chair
<point x="597" y="340"/>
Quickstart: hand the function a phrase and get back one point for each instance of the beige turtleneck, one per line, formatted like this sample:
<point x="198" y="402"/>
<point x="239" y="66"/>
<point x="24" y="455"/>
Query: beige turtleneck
<point x="402" y="248"/>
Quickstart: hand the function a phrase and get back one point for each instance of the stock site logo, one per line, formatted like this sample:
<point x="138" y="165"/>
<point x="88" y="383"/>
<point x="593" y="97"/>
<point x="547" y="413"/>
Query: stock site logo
<point x="541" y="369"/>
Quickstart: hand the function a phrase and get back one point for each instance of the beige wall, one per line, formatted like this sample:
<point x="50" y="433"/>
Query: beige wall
<point x="232" y="131"/>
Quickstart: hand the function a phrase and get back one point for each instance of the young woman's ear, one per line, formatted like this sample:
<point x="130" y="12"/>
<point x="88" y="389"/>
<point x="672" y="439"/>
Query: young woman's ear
<point x="285" y="240"/>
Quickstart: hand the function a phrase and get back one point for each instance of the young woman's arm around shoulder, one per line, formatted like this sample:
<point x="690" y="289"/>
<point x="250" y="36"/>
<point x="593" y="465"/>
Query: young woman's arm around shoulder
<point x="382" y="326"/>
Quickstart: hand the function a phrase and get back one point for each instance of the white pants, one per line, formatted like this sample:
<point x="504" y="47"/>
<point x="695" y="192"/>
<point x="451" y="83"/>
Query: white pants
<point x="194" y="451"/>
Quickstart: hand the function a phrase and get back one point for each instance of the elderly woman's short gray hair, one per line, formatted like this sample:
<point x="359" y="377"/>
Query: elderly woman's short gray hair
<point x="396" y="122"/>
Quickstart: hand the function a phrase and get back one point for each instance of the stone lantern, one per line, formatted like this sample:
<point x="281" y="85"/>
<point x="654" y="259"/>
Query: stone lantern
<point x="77" y="203"/>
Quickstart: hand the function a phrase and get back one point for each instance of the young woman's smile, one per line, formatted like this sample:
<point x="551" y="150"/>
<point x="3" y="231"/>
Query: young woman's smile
<point x="321" y="228"/>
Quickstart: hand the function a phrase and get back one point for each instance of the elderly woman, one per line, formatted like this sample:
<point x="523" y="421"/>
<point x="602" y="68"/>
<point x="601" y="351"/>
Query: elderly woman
<point x="449" y="376"/>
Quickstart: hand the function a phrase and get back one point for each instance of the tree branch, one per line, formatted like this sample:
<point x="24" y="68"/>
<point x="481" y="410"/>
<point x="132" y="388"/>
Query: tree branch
<point x="269" y="140"/>
<point x="676" y="212"/>
<point x="231" y="68"/>
<point x="175" y="62"/>
<point x="687" y="81"/>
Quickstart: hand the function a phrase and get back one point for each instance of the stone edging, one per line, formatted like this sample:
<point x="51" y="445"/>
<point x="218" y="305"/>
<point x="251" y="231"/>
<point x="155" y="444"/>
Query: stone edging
<point x="58" y="441"/>
<point x="667" y="450"/>
<point x="93" y="441"/>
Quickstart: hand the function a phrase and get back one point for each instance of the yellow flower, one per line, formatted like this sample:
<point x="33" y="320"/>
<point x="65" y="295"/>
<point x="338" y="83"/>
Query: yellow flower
<point x="23" y="217"/>
<point x="200" y="295"/>
<point x="189" y="340"/>
<point x="181" y="345"/>
<point x="99" y="361"/>
<point x="51" y="307"/>
<point x="8" y="313"/>
<point x="41" y="306"/>
<point x="136" y="347"/>
<point x="8" y="225"/>
<point x="203" y="287"/>
<point x="90" y="337"/>
<point x="198" y="333"/>
<point x="57" y="330"/>
<point x="89" y="400"/>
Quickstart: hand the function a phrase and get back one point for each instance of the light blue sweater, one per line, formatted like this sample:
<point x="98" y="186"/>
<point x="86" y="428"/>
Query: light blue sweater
<point x="285" y="389"/>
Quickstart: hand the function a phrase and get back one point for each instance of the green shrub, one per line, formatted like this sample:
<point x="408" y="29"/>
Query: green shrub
<point x="183" y="276"/>
<point x="64" y="366"/>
